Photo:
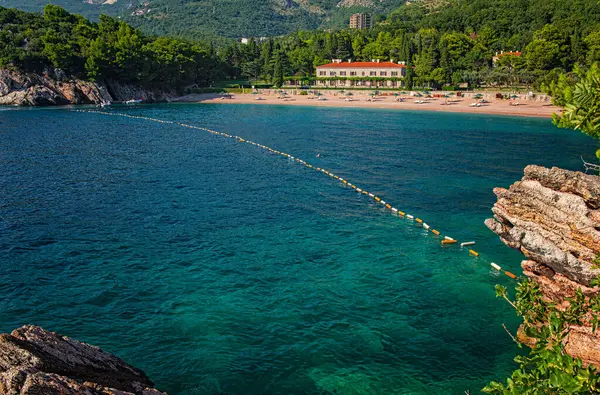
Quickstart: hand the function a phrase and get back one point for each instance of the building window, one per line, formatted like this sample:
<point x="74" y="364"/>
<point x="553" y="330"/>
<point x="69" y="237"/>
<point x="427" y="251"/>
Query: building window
<point x="383" y="73"/>
<point x="394" y="73"/>
<point x="342" y="73"/>
<point x="332" y="73"/>
<point x="363" y="73"/>
<point x="353" y="73"/>
<point x="373" y="74"/>
<point x="322" y="73"/>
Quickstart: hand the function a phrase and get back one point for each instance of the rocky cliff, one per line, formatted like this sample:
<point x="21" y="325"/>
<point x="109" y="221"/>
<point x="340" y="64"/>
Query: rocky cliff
<point x="53" y="87"/>
<point x="35" y="361"/>
<point x="553" y="217"/>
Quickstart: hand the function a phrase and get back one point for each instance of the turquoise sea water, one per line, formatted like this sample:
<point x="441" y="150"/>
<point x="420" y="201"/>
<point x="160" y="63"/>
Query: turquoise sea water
<point x="219" y="268"/>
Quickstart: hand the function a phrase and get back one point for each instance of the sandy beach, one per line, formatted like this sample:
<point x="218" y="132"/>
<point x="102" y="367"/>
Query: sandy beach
<point x="525" y="108"/>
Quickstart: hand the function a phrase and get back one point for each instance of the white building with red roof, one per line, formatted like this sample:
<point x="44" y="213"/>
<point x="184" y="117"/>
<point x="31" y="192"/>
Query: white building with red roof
<point x="361" y="74"/>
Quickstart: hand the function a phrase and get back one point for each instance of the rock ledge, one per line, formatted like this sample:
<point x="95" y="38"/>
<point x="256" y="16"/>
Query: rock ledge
<point x="36" y="361"/>
<point x="553" y="217"/>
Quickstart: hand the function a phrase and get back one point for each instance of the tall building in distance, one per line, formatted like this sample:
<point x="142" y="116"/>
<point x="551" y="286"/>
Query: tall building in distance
<point x="360" y="21"/>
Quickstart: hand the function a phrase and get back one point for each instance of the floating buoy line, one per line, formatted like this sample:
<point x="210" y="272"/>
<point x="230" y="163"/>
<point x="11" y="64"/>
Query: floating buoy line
<point x="445" y="240"/>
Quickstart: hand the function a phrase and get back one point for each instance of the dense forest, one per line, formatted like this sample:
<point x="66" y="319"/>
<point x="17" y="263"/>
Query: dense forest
<point x="448" y="45"/>
<point x="109" y="49"/>
<point x="445" y="45"/>
<point x="219" y="18"/>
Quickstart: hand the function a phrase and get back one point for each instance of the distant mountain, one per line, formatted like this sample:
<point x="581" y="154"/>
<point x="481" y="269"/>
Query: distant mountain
<point x="226" y="18"/>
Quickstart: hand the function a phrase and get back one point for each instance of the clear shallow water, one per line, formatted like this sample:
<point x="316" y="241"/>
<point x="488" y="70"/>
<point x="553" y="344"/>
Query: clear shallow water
<point x="214" y="266"/>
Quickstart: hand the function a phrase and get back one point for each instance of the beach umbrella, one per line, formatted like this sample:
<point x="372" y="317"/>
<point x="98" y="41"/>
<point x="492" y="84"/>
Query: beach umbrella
<point x="348" y="94"/>
<point x="418" y="94"/>
<point x="478" y="96"/>
<point x="446" y="96"/>
<point x="404" y="93"/>
<point x="514" y="97"/>
<point x="396" y="94"/>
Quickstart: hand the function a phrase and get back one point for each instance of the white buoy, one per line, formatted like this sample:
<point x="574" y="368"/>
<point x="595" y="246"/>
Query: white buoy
<point x="495" y="266"/>
<point x="467" y="243"/>
<point x="448" y="238"/>
<point x="409" y="216"/>
<point x="425" y="226"/>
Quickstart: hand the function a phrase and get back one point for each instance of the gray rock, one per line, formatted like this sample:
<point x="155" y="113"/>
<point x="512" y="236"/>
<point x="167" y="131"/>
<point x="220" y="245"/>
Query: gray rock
<point x="36" y="361"/>
<point x="54" y="87"/>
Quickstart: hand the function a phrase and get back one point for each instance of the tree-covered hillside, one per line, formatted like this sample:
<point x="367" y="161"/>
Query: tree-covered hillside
<point x="450" y="44"/>
<point x="91" y="9"/>
<point x="224" y="18"/>
<point x="109" y="49"/>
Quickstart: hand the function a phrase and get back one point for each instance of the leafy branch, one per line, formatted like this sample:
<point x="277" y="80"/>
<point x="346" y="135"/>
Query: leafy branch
<point x="548" y="369"/>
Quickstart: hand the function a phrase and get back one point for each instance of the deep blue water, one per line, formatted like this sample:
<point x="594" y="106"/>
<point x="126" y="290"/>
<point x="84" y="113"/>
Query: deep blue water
<point x="215" y="266"/>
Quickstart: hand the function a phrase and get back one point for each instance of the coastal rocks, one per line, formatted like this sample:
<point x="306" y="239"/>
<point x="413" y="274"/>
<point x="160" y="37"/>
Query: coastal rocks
<point x="53" y="87"/>
<point x="553" y="217"/>
<point x="36" y="361"/>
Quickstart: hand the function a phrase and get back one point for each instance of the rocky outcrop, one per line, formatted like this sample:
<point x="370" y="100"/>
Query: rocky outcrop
<point x="553" y="217"/>
<point x="53" y="87"/>
<point x="36" y="361"/>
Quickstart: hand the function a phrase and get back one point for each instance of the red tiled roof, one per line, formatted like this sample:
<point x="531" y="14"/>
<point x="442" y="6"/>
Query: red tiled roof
<point x="510" y="53"/>
<point x="362" y="65"/>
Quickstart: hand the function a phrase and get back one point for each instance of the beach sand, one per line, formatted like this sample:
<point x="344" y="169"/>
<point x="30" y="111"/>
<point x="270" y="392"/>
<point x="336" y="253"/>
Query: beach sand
<point x="526" y="108"/>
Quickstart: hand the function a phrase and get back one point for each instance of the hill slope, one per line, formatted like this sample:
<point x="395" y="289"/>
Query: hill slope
<point x="226" y="18"/>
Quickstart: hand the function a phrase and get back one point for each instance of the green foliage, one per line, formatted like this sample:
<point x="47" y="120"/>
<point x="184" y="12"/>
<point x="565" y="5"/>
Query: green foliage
<point x="450" y="45"/>
<point x="548" y="369"/>
<point x="211" y="18"/>
<point x="446" y="45"/>
<point x="579" y="94"/>
<point x="109" y="49"/>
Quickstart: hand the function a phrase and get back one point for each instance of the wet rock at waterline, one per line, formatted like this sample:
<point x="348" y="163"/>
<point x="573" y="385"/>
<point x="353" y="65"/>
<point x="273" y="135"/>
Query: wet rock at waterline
<point x="53" y="87"/>
<point x="36" y="361"/>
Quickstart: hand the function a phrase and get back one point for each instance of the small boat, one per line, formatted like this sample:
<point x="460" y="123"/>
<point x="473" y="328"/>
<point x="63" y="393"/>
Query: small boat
<point x="133" y="101"/>
<point x="105" y="103"/>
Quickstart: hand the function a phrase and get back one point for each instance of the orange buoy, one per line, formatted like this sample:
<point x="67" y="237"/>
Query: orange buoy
<point x="377" y="199"/>
<point x="402" y="213"/>
<point x="448" y="241"/>
<point x="509" y="274"/>
<point x="388" y="205"/>
<point x="473" y="253"/>
<point x="435" y="232"/>
<point x="419" y="220"/>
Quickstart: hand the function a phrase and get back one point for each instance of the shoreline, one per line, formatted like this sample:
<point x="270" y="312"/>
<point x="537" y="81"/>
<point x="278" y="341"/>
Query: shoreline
<point x="526" y="108"/>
